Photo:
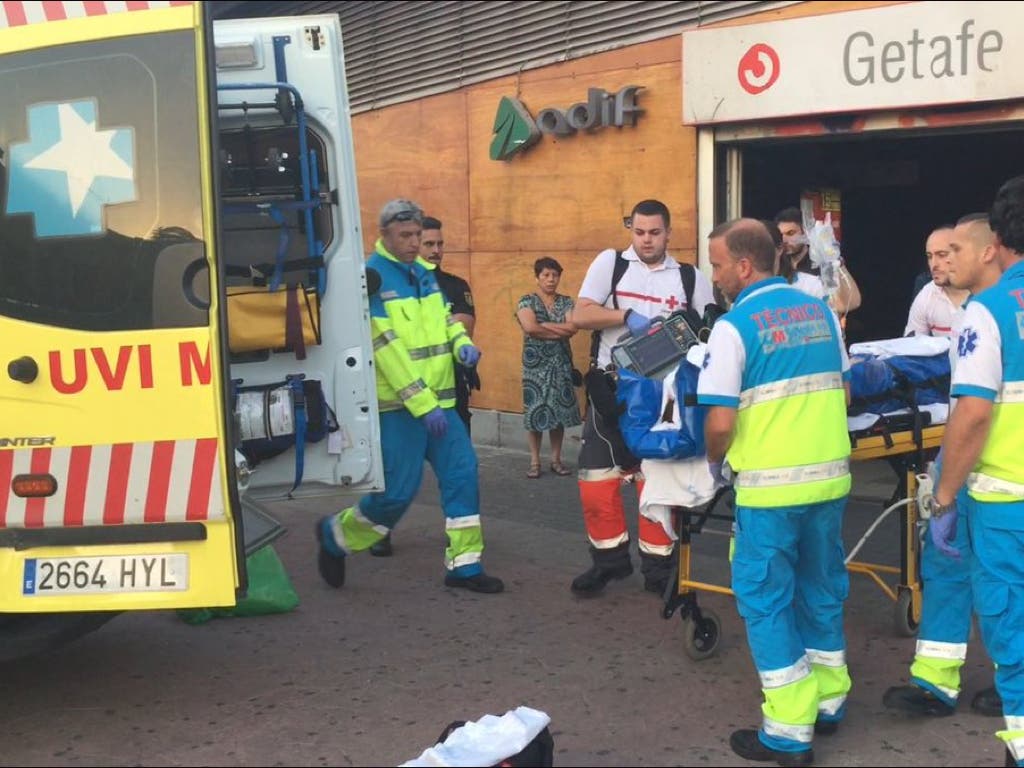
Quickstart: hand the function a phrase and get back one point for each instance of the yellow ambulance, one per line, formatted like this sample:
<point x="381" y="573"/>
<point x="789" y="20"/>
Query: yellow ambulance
<point x="183" y="304"/>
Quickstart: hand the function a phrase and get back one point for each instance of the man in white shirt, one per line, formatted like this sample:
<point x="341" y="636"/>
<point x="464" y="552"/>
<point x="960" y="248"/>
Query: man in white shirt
<point x="651" y="285"/>
<point x="938" y="304"/>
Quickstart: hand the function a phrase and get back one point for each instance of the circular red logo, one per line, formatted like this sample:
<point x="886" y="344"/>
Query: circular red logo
<point x="758" y="69"/>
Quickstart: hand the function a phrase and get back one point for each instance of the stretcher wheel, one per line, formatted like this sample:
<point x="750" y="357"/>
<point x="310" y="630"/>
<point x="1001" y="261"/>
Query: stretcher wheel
<point x="906" y="624"/>
<point x="701" y="637"/>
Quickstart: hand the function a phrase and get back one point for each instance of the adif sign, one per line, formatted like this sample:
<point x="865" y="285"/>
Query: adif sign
<point x="914" y="54"/>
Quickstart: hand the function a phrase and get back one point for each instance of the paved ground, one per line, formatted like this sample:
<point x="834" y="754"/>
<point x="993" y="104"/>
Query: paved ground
<point x="370" y="674"/>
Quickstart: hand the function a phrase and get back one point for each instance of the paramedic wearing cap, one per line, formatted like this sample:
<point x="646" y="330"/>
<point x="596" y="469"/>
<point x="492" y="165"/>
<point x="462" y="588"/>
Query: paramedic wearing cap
<point x="946" y="608"/>
<point x="983" y="445"/>
<point x="651" y="285"/>
<point x="937" y="304"/>
<point x="416" y="344"/>
<point x="774" y="379"/>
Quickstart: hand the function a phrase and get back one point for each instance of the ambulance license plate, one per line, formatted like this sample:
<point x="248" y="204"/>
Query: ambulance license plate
<point x="46" y="576"/>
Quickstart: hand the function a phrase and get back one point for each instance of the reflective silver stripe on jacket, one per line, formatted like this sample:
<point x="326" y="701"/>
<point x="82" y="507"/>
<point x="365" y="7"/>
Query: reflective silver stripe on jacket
<point x="412" y="390"/>
<point x="422" y="353"/>
<point x="384" y="339"/>
<point x="446" y="394"/>
<point x="976" y="481"/>
<point x="1011" y="392"/>
<point x="808" y="473"/>
<point x="799" y="385"/>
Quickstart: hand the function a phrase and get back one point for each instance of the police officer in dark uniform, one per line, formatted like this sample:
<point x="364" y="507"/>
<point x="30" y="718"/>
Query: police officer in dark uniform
<point x="460" y="298"/>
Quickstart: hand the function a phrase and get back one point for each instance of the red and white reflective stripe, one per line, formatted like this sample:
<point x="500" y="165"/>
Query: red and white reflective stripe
<point x="17" y="14"/>
<point x="164" y="481"/>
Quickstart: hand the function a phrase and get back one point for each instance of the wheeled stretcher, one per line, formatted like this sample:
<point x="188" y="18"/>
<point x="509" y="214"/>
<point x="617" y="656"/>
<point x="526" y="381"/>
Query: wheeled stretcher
<point x="907" y="450"/>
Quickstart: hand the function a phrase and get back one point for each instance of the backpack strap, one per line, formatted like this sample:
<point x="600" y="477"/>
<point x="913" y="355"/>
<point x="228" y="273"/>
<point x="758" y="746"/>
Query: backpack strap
<point x="688" y="274"/>
<point x="621" y="265"/>
<point x="299" y="405"/>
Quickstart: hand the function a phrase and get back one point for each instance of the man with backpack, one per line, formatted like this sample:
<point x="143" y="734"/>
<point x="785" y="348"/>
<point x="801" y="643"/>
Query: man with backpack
<point x="623" y="292"/>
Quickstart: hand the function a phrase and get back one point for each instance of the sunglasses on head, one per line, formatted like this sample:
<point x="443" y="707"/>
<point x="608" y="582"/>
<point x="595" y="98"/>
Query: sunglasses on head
<point x="402" y="216"/>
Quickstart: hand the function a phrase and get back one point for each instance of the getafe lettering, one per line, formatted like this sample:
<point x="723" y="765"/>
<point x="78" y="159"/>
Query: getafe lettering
<point x="936" y="57"/>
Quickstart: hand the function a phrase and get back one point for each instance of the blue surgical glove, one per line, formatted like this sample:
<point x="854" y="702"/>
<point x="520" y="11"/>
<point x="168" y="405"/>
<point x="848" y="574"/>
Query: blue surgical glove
<point x="638" y="324"/>
<point x="720" y="474"/>
<point x="943" y="532"/>
<point x="437" y="422"/>
<point x="469" y="355"/>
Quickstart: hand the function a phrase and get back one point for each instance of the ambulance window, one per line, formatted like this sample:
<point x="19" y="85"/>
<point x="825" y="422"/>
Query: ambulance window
<point x="100" y="183"/>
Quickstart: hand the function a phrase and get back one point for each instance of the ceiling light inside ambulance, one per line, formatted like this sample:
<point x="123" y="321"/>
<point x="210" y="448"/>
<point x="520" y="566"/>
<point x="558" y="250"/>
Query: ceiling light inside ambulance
<point x="237" y="56"/>
<point x="34" y="486"/>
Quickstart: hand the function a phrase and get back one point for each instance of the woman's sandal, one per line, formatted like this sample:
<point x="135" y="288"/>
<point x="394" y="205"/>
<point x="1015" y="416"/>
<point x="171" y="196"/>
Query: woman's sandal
<point x="534" y="472"/>
<point x="559" y="469"/>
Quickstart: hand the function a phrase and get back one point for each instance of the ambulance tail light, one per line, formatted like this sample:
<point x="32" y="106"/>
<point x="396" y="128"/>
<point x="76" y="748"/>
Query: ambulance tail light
<point x="34" y="486"/>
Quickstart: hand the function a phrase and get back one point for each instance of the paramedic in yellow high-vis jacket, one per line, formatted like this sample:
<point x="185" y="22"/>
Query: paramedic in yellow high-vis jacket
<point x="416" y="344"/>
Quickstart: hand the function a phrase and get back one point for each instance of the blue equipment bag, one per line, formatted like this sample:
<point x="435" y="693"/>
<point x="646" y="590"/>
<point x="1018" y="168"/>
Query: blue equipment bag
<point x="641" y="399"/>
<point x="883" y="385"/>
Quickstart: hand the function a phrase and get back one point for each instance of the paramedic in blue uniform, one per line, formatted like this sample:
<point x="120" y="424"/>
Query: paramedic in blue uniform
<point x="984" y="446"/>
<point x="946" y="610"/>
<point x="460" y="303"/>
<point x="416" y="343"/>
<point x="775" y="379"/>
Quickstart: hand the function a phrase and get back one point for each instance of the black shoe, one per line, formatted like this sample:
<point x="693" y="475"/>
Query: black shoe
<point x="1009" y="761"/>
<point x="331" y="567"/>
<point x="747" y="745"/>
<point x="916" y="702"/>
<point x="481" y="582"/>
<point x="826" y="727"/>
<point x="382" y="548"/>
<point x="988" y="703"/>
<point x="594" y="580"/>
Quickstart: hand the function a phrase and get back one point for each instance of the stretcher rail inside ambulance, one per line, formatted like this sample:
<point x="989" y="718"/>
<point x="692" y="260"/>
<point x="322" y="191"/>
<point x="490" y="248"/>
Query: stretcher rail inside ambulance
<point x="898" y="409"/>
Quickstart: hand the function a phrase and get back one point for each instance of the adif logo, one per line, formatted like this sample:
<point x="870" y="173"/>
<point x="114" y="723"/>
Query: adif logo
<point x="515" y="129"/>
<point x="758" y="69"/>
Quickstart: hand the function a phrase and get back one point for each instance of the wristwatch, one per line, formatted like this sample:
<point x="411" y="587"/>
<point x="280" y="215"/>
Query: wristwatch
<point x="937" y="510"/>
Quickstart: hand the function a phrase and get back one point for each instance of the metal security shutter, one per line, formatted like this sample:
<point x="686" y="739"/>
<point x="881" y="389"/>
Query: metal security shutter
<point x="401" y="51"/>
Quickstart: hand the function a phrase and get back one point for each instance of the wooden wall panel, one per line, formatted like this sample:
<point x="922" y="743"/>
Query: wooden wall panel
<point x="415" y="150"/>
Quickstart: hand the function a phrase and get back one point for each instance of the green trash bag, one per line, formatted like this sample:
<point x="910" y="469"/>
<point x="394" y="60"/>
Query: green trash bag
<point x="270" y="591"/>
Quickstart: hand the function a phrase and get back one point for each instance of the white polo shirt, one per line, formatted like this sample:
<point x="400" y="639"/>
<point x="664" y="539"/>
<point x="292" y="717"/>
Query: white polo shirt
<point x="649" y="291"/>
<point x="809" y="284"/>
<point x="933" y="313"/>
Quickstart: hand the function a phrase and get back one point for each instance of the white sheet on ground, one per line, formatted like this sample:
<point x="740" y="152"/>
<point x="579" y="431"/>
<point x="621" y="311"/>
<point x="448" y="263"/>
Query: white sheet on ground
<point x="486" y="741"/>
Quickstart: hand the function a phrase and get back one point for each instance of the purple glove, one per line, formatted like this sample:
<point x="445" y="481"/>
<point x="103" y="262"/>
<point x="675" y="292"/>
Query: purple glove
<point x="437" y="422"/>
<point x="942" y="530"/>
<point x="469" y="355"/>
<point x="721" y="476"/>
<point x="638" y="324"/>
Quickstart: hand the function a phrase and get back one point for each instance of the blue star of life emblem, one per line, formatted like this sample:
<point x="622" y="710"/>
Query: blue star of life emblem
<point x="707" y="360"/>
<point x="967" y="343"/>
<point x="68" y="170"/>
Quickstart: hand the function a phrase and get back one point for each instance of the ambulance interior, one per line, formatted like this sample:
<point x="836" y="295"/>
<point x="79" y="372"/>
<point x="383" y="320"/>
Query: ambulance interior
<point x="895" y="189"/>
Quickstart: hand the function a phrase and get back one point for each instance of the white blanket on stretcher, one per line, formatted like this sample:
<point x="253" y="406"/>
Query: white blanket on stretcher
<point x="916" y="346"/>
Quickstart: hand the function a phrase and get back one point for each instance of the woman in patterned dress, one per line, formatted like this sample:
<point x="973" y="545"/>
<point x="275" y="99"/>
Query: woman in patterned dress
<point x="549" y="400"/>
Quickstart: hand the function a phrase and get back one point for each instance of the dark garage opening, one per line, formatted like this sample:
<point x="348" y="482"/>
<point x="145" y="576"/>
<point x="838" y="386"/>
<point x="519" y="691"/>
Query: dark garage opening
<point x="895" y="191"/>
